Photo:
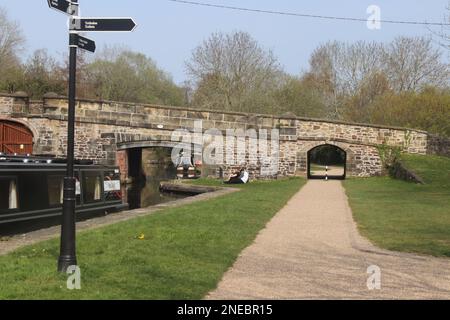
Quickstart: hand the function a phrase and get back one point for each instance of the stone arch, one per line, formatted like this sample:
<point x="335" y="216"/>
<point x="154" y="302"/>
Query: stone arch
<point x="130" y="154"/>
<point x="123" y="146"/>
<point x="363" y="160"/>
<point x="304" y="147"/>
<point x="151" y="144"/>
<point x="309" y="154"/>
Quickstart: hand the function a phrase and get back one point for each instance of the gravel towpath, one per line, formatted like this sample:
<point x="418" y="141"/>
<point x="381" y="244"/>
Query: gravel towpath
<point x="311" y="250"/>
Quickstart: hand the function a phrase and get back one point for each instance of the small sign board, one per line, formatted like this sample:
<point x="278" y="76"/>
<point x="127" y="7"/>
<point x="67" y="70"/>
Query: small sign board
<point x="102" y="24"/>
<point x="63" y="6"/>
<point x="85" y="44"/>
<point x="111" y="185"/>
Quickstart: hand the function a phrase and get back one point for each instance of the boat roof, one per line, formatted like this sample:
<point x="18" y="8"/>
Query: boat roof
<point x="50" y="161"/>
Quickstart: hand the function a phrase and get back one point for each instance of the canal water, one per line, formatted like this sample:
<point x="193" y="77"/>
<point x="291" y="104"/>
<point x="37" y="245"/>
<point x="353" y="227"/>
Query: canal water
<point x="146" y="193"/>
<point x="148" y="167"/>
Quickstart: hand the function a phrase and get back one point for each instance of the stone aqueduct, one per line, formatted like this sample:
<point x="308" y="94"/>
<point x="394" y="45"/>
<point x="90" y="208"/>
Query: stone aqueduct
<point x="105" y="130"/>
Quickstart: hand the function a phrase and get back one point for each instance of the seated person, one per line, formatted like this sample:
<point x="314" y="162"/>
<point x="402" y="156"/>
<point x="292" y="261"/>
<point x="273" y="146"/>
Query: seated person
<point x="240" y="178"/>
<point x="245" y="176"/>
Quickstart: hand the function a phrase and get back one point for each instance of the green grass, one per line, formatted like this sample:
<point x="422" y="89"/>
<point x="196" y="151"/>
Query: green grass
<point x="403" y="216"/>
<point x="184" y="255"/>
<point x="316" y="167"/>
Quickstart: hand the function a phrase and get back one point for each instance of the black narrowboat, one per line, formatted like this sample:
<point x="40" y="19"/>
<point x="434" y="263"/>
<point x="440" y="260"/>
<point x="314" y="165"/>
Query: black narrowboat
<point x="32" y="188"/>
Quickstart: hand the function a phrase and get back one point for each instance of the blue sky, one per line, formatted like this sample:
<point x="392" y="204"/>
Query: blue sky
<point x="168" y="32"/>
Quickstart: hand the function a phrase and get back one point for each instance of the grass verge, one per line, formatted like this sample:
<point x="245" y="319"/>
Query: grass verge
<point x="402" y="216"/>
<point x="184" y="254"/>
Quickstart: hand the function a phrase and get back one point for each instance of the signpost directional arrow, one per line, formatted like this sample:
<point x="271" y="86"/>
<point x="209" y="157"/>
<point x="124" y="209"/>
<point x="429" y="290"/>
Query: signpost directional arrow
<point x="82" y="42"/>
<point x="64" y="6"/>
<point x="103" y="24"/>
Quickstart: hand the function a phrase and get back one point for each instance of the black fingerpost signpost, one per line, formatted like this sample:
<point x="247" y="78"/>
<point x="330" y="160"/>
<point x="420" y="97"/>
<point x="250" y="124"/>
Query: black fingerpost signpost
<point x="67" y="256"/>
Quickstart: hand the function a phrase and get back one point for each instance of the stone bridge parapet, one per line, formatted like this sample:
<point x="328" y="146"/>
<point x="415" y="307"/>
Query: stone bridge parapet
<point x="106" y="128"/>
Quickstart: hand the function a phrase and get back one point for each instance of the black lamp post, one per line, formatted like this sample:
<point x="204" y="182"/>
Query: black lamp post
<point x="67" y="256"/>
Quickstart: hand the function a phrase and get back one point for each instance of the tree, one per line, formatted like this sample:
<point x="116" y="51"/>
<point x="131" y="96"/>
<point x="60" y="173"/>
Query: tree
<point x="42" y="74"/>
<point x="428" y="109"/>
<point x="351" y="76"/>
<point x="123" y="75"/>
<point x="357" y="106"/>
<point x="11" y="43"/>
<point x="300" y="96"/>
<point x="232" y="72"/>
<point x="412" y="63"/>
<point x="339" y="70"/>
<point x="443" y="34"/>
<point x="84" y="86"/>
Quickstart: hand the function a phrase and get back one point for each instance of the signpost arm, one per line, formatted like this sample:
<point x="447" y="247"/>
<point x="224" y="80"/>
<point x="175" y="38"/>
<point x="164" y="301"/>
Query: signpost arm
<point x="67" y="255"/>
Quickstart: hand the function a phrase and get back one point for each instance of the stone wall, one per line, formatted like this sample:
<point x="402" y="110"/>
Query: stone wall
<point x="438" y="146"/>
<point x="122" y="163"/>
<point x="104" y="129"/>
<point x="413" y="141"/>
<point x="362" y="160"/>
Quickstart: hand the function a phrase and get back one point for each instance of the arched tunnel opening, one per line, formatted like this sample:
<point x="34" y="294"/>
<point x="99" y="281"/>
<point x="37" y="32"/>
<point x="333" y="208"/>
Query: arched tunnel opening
<point x="135" y="172"/>
<point x="327" y="162"/>
<point x="147" y="167"/>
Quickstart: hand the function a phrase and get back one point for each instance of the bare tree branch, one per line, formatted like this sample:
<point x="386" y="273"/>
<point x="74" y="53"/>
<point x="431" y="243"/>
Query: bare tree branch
<point x="233" y="72"/>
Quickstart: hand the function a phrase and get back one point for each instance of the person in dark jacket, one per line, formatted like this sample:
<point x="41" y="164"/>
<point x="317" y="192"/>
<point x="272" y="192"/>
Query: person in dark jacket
<point x="240" y="178"/>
